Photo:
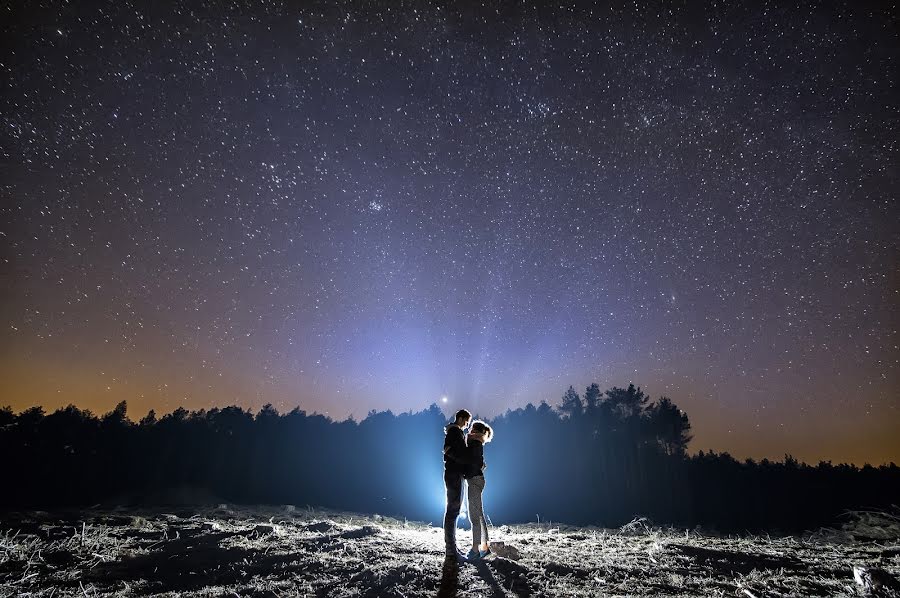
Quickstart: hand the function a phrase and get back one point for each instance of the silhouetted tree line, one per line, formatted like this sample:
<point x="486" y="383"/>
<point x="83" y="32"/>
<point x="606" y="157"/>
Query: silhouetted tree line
<point x="602" y="458"/>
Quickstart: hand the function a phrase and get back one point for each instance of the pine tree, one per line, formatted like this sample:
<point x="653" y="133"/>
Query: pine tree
<point x="670" y="426"/>
<point x="592" y="396"/>
<point x="571" y="404"/>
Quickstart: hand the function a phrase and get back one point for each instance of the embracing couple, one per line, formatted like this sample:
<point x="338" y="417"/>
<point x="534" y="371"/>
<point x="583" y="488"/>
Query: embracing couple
<point x="464" y="460"/>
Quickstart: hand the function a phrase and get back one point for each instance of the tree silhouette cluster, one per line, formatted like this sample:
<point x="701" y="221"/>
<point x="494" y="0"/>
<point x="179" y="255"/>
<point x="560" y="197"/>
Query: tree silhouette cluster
<point x="601" y="458"/>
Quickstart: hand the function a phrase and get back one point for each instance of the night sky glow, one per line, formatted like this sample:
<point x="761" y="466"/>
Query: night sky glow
<point x="346" y="208"/>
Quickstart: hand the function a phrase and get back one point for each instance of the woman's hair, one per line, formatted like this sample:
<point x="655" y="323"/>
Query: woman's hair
<point x="479" y="427"/>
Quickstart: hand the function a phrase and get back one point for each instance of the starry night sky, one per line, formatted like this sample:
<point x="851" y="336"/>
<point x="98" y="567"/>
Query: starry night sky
<point x="355" y="206"/>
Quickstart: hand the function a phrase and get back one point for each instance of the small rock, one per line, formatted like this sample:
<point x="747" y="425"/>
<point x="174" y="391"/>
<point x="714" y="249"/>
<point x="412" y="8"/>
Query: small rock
<point x="364" y="575"/>
<point x="506" y="551"/>
<point x="563" y="570"/>
<point x="320" y="527"/>
<point x="266" y="528"/>
<point x="361" y="532"/>
<point x="874" y="581"/>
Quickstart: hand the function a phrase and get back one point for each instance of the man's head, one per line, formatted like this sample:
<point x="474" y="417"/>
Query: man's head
<point x="463" y="417"/>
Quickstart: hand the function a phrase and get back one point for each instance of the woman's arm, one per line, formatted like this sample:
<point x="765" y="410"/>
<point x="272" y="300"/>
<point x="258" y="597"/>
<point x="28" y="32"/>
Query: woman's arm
<point x="476" y="452"/>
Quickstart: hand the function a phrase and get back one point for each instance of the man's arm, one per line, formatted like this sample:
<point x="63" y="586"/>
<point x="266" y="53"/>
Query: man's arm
<point x="455" y="447"/>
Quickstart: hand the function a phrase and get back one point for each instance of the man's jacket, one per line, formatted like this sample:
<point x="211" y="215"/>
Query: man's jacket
<point x="456" y="457"/>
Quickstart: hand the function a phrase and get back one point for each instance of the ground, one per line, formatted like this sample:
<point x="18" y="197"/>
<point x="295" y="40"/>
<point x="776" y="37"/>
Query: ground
<point x="287" y="551"/>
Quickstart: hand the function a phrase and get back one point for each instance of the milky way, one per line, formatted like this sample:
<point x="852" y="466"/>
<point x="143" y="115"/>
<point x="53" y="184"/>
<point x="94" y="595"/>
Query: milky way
<point x="349" y="208"/>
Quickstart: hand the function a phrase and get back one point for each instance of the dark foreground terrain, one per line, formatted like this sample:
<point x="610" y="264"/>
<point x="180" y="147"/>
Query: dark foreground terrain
<point x="229" y="551"/>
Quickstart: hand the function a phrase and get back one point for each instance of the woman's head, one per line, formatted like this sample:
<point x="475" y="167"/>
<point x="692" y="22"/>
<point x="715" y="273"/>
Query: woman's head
<point x="480" y="427"/>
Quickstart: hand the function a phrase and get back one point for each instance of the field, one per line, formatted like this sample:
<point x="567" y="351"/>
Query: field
<point x="287" y="551"/>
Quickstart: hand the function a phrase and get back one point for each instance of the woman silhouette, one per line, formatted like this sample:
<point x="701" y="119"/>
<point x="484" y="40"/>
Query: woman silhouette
<point x="480" y="435"/>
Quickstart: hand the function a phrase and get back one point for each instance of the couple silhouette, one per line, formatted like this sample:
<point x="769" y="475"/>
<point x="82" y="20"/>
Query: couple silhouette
<point x="464" y="462"/>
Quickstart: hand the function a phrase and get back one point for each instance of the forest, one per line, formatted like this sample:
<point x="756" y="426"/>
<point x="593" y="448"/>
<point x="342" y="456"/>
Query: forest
<point x="598" y="458"/>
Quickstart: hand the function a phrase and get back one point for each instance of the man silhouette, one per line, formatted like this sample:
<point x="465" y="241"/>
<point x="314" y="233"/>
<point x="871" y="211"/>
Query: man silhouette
<point x="456" y="459"/>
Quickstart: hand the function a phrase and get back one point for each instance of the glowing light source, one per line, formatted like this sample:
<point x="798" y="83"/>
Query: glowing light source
<point x="444" y="399"/>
